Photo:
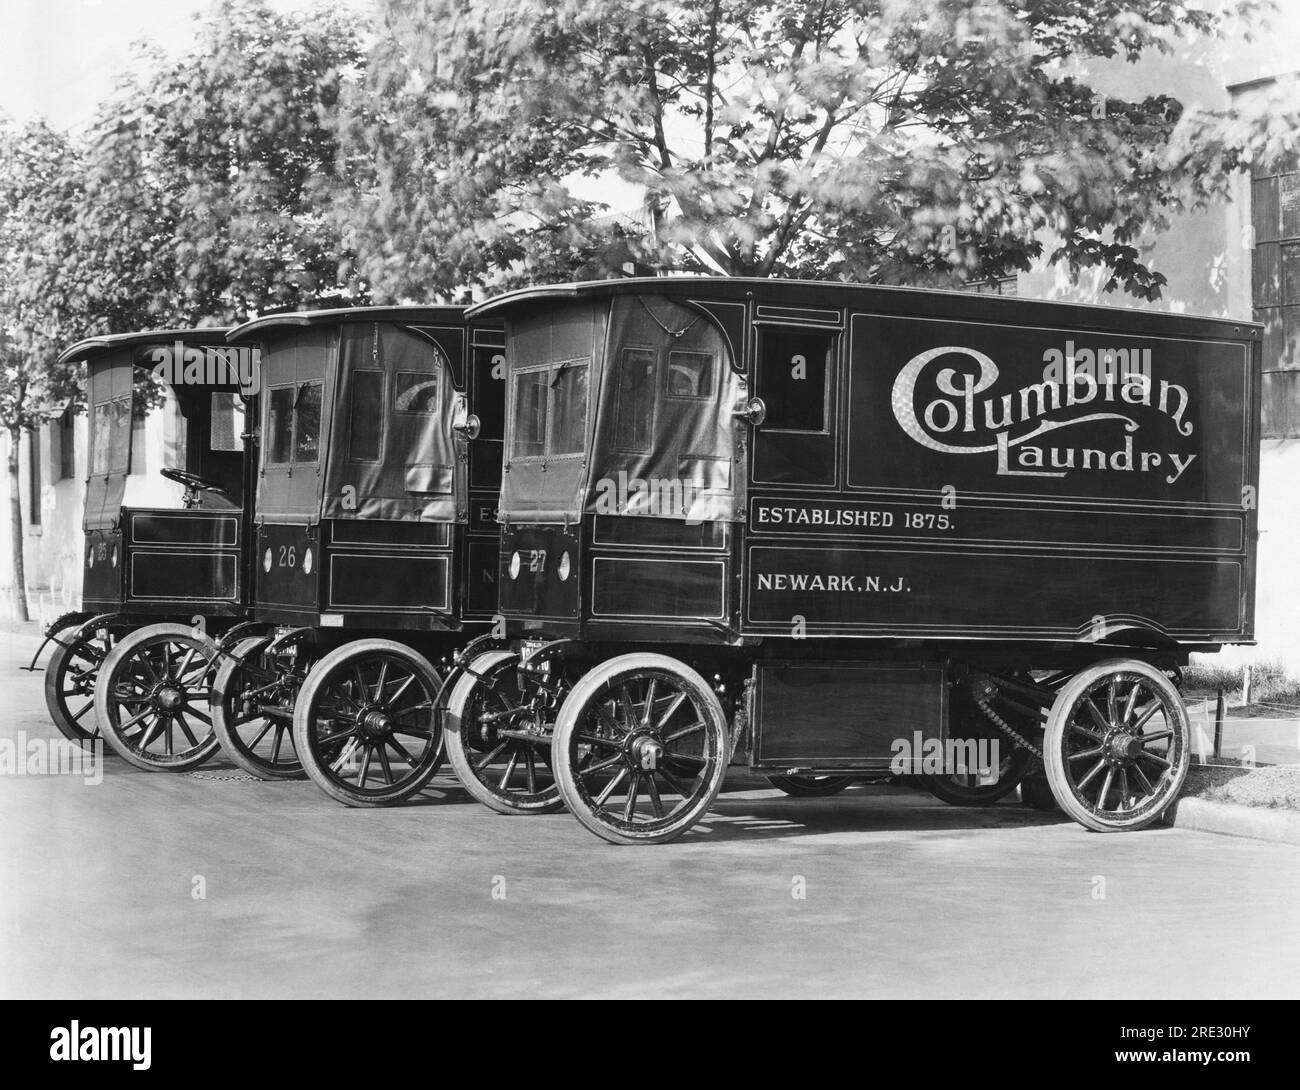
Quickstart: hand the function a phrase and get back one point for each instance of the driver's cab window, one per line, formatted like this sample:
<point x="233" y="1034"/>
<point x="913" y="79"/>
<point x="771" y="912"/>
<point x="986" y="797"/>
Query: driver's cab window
<point x="793" y="367"/>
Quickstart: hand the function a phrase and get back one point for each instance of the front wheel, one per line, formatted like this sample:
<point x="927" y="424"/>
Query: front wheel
<point x="640" y="749"/>
<point x="364" y="725"/>
<point x="151" y="698"/>
<point x="70" y="678"/>
<point x="498" y="740"/>
<point x="1117" y="745"/>
<point x="252" y="711"/>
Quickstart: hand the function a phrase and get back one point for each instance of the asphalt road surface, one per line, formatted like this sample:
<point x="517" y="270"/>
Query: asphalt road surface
<point x="880" y="892"/>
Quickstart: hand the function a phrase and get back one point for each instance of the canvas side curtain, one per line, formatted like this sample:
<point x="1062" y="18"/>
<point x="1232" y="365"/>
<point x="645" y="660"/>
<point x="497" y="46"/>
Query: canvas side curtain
<point x="666" y="442"/>
<point x="393" y="453"/>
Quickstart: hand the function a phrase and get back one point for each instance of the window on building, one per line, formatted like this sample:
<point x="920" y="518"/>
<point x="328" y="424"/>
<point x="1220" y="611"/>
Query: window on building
<point x="1275" y="291"/>
<point x="67" y="444"/>
<point x="34" y="478"/>
<point x="1000" y="285"/>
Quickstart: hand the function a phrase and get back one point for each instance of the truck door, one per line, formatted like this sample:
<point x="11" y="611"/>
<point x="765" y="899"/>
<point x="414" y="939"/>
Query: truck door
<point x="795" y="374"/>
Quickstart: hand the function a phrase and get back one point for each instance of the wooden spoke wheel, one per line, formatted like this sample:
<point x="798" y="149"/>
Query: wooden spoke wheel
<point x="152" y="698"/>
<point x="252" y="710"/>
<point x="811" y="785"/>
<point x="640" y="749"/>
<point x="1117" y="745"/>
<point x="70" y="678"/>
<point x="498" y="738"/>
<point x="364" y="724"/>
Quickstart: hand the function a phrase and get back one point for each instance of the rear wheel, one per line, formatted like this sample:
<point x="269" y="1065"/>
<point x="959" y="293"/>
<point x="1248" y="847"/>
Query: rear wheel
<point x="640" y="749"/>
<point x="252" y="711"/>
<point x="498" y="740"/>
<point x="811" y="785"/>
<point x="364" y="724"/>
<point x="152" y="696"/>
<point x="1117" y="746"/>
<point x="70" y="678"/>
<point x="982" y="788"/>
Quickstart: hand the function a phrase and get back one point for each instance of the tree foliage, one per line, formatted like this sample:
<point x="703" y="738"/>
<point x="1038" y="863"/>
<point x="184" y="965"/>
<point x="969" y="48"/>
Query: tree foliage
<point x="40" y="303"/>
<point x="206" y="178"/>
<point x="873" y="140"/>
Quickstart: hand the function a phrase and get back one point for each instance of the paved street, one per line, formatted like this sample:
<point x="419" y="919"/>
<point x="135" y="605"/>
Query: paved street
<point x="904" y="896"/>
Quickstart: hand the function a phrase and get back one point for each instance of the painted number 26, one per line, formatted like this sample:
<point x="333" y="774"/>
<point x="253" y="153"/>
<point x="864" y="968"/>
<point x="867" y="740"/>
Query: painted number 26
<point x="288" y="556"/>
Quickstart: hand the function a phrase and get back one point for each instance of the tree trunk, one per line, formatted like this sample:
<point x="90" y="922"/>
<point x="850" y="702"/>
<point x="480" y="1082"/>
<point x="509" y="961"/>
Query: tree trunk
<point x="16" y="527"/>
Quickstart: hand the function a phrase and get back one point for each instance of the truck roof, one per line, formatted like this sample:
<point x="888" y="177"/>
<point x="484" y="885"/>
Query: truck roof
<point x="342" y="315"/>
<point x="98" y="346"/>
<point x="877" y="297"/>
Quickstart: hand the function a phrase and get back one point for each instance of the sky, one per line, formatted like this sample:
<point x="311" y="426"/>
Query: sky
<point x="61" y="55"/>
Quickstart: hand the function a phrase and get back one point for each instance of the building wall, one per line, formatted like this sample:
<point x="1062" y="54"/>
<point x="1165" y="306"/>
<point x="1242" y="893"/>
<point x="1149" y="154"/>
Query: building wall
<point x="52" y="551"/>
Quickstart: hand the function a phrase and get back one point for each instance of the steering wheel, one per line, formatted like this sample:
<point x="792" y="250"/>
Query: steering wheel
<point x="192" y="481"/>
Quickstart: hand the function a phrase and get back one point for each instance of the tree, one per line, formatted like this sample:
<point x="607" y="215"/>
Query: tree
<point x="40" y="191"/>
<point x="908" y="142"/>
<point x="206" y="176"/>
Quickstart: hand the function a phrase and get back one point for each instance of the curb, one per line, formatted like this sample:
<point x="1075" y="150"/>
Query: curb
<point x="1230" y="819"/>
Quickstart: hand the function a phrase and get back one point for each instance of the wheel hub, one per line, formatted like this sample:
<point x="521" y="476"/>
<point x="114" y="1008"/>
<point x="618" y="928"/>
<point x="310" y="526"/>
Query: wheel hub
<point x="646" y="752"/>
<point x="376" y="722"/>
<point x="1122" y="747"/>
<point x="169" y="698"/>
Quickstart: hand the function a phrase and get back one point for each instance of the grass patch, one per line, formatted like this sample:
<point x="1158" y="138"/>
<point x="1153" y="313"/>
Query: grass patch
<point x="1276" y="787"/>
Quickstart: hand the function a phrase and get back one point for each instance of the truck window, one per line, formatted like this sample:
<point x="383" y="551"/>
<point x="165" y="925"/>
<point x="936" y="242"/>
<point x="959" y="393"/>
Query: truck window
<point x="530" y="414"/>
<point x="636" y="384"/>
<point x="689" y="374"/>
<point x="293" y="423"/>
<point x="110" y="437"/>
<point x="306" y="423"/>
<point x="366" y="416"/>
<point x="227" y="423"/>
<point x="793" y="366"/>
<point x="550" y="410"/>
<point x="569" y="407"/>
<point x="489" y="405"/>
<point x="416" y="392"/>
<point x="279" y="424"/>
